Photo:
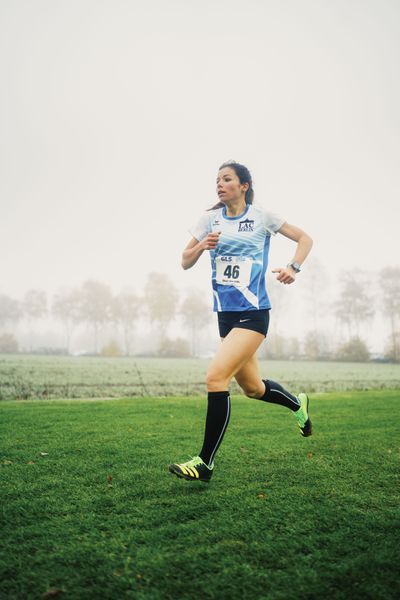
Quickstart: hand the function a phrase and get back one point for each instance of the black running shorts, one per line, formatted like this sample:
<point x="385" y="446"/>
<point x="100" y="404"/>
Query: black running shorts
<point x="256" y="320"/>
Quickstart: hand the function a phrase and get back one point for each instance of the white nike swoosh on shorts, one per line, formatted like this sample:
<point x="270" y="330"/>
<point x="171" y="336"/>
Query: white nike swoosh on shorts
<point x="244" y="320"/>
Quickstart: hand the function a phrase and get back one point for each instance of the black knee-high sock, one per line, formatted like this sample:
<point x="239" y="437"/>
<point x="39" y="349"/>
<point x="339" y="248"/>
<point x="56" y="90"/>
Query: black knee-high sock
<point x="218" y="413"/>
<point x="276" y="394"/>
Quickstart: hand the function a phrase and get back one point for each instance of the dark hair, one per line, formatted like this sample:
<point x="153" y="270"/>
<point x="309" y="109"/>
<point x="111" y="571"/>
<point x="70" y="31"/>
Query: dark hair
<point x="244" y="177"/>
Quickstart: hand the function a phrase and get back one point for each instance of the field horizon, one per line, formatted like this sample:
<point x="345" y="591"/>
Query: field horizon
<point x="45" y="377"/>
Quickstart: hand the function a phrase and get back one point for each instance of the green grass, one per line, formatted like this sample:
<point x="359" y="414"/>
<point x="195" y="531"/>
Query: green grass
<point x="99" y="516"/>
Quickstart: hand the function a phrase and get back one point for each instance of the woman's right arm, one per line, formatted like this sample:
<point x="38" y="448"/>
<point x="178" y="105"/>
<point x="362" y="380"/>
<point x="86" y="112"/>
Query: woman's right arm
<point x="195" y="249"/>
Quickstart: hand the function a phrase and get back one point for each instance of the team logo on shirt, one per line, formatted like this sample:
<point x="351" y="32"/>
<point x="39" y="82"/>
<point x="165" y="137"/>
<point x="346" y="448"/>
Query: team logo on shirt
<point x="246" y="225"/>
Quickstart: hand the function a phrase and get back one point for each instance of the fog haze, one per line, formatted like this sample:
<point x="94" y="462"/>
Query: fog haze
<point x="115" y="117"/>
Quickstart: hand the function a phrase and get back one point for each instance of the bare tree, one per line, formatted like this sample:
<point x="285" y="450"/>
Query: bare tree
<point x="316" y="345"/>
<point x="196" y="314"/>
<point x="311" y="345"/>
<point x="280" y="302"/>
<point x="316" y="280"/>
<point x="10" y="311"/>
<point x="355" y="350"/>
<point x="354" y="306"/>
<point x="389" y="281"/>
<point x="66" y="307"/>
<point x="125" y="311"/>
<point x="34" y="306"/>
<point x="95" y="306"/>
<point x="161" y="297"/>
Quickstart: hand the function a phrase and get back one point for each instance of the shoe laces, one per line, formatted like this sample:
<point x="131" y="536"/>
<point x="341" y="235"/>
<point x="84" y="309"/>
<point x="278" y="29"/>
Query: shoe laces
<point x="194" y="462"/>
<point x="197" y="461"/>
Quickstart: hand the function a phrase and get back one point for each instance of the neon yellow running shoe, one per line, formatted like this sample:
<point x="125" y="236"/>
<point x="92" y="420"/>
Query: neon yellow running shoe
<point x="193" y="470"/>
<point x="302" y="416"/>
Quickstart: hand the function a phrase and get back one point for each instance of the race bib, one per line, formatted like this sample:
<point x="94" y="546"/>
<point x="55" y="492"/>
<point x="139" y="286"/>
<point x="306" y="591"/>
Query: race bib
<point x="233" y="270"/>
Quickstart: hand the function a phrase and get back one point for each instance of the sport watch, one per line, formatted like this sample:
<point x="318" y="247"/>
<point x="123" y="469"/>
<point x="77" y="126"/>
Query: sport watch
<point x="295" y="266"/>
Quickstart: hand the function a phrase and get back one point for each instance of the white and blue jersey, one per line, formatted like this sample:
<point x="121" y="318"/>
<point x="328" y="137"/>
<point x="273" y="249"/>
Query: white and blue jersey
<point x="240" y="259"/>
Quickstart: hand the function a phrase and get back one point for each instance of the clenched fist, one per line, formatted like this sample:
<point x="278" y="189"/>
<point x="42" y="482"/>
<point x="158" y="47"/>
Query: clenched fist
<point x="210" y="242"/>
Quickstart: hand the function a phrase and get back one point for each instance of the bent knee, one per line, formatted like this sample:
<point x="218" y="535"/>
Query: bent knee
<point x="253" y="391"/>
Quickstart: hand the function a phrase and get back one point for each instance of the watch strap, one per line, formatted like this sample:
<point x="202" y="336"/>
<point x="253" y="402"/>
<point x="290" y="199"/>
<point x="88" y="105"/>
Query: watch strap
<point x="295" y="266"/>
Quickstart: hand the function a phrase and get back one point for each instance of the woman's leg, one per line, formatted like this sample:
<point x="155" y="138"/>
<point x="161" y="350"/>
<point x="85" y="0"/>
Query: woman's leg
<point x="249" y="379"/>
<point x="232" y="354"/>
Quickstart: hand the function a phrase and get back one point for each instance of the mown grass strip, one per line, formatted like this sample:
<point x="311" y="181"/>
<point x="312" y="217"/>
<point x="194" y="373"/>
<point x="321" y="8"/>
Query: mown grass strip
<point x="89" y="509"/>
<point x="45" y="377"/>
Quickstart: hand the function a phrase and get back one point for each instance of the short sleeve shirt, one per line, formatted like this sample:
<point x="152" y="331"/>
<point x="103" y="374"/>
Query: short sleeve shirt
<point x="240" y="260"/>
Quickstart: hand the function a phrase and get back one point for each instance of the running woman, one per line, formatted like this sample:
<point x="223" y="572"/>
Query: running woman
<point x="237" y="234"/>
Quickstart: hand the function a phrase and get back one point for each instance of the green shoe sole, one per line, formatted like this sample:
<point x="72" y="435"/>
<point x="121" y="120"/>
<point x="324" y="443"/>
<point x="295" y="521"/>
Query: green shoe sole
<point x="175" y="470"/>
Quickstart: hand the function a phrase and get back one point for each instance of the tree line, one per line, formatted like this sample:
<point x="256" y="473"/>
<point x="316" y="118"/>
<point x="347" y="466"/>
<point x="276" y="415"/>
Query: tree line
<point x="359" y="296"/>
<point x="93" y="304"/>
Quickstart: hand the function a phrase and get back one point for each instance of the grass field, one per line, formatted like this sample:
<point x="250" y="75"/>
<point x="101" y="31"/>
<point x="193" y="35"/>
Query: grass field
<point x="89" y="510"/>
<point x="24" y="376"/>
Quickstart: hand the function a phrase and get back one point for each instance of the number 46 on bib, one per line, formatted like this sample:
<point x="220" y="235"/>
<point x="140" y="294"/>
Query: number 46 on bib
<point x="233" y="270"/>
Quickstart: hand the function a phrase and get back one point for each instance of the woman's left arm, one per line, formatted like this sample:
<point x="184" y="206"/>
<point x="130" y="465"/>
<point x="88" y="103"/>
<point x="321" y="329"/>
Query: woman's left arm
<point x="304" y="245"/>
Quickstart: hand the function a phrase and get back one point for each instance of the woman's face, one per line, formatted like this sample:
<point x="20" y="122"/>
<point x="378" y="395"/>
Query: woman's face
<point x="228" y="185"/>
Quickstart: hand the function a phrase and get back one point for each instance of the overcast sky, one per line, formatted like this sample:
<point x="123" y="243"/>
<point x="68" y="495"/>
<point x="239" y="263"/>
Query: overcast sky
<point x="116" y="115"/>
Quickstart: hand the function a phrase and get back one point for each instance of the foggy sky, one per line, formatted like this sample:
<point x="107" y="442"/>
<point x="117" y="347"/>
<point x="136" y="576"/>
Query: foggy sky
<point x="115" y="117"/>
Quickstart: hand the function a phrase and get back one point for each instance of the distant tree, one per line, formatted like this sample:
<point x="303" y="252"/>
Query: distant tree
<point x="354" y="306"/>
<point x="10" y="311"/>
<point x="111" y="350"/>
<point x="66" y="307"/>
<point x="275" y="347"/>
<point x="392" y="348"/>
<point x="280" y="302"/>
<point x="34" y="307"/>
<point x="196" y="314"/>
<point x="176" y="348"/>
<point x="389" y="283"/>
<point x="161" y="298"/>
<point x="292" y="349"/>
<point x="312" y="350"/>
<point x="125" y="312"/>
<point x="8" y="344"/>
<point x="316" y="286"/>
<point x="34" y="304"/>
<point x="316" y="346"/>
<point x="282" y="348"/>
<point x="355" y="350"/>
<point x="95" y="306"/>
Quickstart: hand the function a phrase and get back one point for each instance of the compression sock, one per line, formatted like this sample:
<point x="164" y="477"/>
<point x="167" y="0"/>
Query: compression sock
<point x="218" y="413"/>
<point x="276" y="394"/>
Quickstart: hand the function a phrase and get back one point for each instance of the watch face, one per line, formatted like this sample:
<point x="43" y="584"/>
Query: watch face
<point x="295" y="267"/>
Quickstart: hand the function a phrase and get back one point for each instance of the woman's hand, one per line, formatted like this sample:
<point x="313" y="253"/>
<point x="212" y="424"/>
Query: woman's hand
<point x="286" y="275"/>
<point x="195" y="249"/>
<point x="304" y="245"/>
<point x="210" y="242"/>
